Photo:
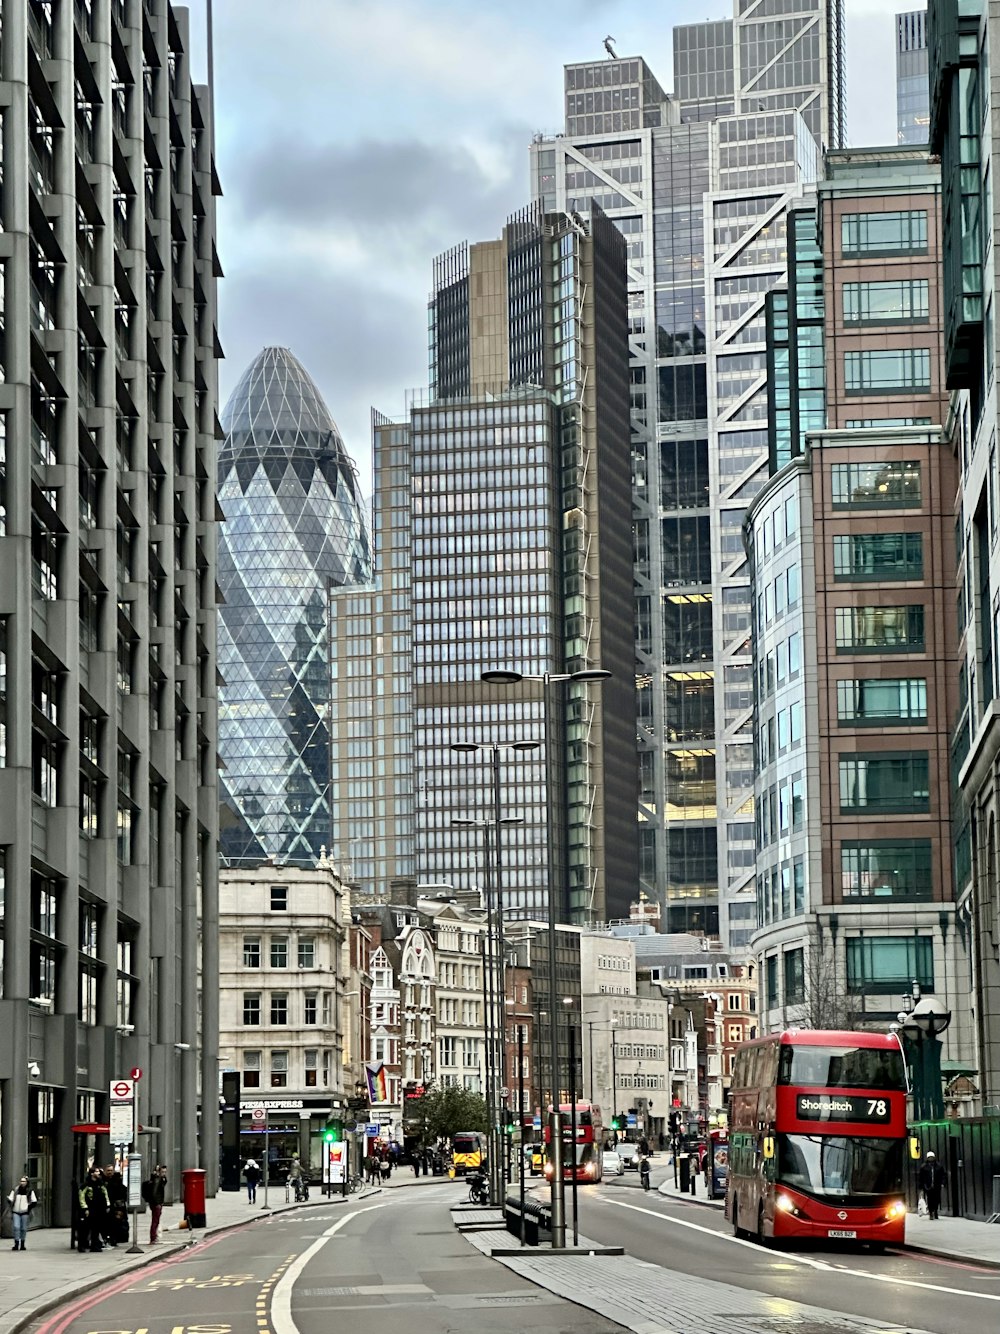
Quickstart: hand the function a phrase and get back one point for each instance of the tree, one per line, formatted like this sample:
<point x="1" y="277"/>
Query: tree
<point x="446" y="1111"/>
<point x="827" y="1004"/>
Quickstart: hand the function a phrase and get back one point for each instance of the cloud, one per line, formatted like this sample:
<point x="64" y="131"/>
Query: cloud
<point x="360" y="351"/>
<point x="404" y="192"/>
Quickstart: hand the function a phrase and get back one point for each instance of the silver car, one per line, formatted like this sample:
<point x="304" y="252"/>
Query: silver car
<point x="611" y="1163"/>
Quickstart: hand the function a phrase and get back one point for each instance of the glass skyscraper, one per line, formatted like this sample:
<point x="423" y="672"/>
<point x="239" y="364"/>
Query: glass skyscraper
<point x="913" y="96"/>
<point x="698" y="184"/>
<point x="294" y="526"/>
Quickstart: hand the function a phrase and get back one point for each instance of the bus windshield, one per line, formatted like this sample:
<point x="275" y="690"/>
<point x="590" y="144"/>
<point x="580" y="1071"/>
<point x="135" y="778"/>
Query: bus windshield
<point x="845" y="1166"/>
<point x="842" y="1067"/>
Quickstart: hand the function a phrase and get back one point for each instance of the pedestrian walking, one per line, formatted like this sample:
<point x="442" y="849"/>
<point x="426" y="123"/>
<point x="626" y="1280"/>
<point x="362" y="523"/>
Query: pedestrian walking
<point x="251" y="1171"/>
<point x="931" y="1179"/>
<point x="22" y="1199"/>
<point x="154" y="1190"/>
<point x="93" y="1211"/>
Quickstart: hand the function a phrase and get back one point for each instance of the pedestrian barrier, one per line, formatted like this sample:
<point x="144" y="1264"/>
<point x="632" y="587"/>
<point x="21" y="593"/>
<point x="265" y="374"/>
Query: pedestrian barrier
<point x="537" y="1220"/>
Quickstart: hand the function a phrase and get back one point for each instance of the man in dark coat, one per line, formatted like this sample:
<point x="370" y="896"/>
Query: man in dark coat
<point x="931" y="1179"/>
<point x="93" y="1211"/>
<point x="116" y="1224"/>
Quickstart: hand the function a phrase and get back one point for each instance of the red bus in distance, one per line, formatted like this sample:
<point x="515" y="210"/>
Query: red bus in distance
<point x="817" y="1137"/>
<point x="585" y="1162"/>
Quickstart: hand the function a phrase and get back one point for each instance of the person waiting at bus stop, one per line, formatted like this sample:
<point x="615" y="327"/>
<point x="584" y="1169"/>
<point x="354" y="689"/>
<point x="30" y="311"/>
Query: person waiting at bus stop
<point x="931" y="1179"/>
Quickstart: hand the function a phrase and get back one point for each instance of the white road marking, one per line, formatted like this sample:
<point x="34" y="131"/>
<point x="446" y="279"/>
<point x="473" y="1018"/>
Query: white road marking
<point x="806" y="1261"/>
<point x="282" y="1321"/>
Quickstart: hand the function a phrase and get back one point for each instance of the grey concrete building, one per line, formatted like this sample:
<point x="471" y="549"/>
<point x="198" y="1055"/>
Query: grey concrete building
<point x="108" y="825"/>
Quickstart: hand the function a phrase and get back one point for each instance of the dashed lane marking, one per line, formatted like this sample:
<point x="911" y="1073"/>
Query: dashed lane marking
<point x="806" y="1261"/>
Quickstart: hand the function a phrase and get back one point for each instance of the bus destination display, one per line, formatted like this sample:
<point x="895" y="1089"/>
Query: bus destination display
<point x="842" y="1107"/>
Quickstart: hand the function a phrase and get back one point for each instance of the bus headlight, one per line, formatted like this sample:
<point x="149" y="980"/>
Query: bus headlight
<point x="896" y="1210"/>
<point x="589" y="1170"/>
<point x="548" y="1169"/>
<point x="785" y="1204"/>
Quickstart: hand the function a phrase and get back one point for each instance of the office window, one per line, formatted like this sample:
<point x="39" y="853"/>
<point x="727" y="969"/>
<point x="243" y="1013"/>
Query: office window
<point x="883" y="370"/>
<point x="251" y="1007"/>
<point x="878" y="556"/>
<point x="251" y="951"/>
<point x="279" y="1007"/>
<point x="310" y="1006"/>
<point x="890" y="963"/>
<point x="251" y="1069"/>
<point x="279" y="1069"/>
<point x="896" y="702"/>
<point x="307" y="951"/>
<point x="279" y="898"/>
<point x="795" y="977"/>
<point x="886" y="869"/>
<point x="906" y="301"/>
<point x="311" y="1056"/>
<point x="885" y="782"/>
<point x="880" y="629"/>
<point x="279" y="951"/>
<point x="771" y="979"/>
<point x="875" y="485"/>
<point x="898" y="233"/>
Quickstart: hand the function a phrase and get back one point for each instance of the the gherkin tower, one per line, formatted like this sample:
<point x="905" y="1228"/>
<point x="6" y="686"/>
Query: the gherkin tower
<point x="294" y="523"/>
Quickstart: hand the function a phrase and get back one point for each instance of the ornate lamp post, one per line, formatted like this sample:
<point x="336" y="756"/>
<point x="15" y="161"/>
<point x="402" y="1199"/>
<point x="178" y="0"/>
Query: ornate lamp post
<point x="924" y="1019"/>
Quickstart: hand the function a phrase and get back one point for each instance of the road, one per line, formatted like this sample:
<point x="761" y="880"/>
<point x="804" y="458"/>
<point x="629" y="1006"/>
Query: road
<point x="397" y="1258"/>
<point x="942" y="1296"/>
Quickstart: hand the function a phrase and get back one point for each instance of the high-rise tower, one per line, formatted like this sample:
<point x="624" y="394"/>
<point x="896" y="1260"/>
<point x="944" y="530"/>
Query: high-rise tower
<point x="294" y="525"/>
<point x="913" y="94"/>
<point x="108" y="833"/>
<point x="698" y="185"/>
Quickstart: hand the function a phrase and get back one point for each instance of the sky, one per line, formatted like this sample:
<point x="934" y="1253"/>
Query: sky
<point x="357" y="139"/>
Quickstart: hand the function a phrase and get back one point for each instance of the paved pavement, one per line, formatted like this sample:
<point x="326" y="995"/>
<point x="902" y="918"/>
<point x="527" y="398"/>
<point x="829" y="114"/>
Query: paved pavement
<point x="952" y="1238"/>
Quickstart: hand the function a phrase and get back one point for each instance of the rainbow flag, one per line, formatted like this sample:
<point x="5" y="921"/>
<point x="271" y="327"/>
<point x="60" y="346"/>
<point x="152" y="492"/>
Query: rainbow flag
<point x="378" y="1085"/>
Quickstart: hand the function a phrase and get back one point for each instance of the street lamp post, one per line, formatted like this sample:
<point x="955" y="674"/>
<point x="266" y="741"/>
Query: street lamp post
<point x="547" y="680"/>
<point x="494" y="986"/>
<point x="923" y="1020"/>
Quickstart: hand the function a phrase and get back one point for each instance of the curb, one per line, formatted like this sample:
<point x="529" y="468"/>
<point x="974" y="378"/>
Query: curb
<point x="153" y="1255"/>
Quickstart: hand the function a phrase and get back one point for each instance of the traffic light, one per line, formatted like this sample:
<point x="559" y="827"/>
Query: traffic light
<point x="616" y="1123"/>
<point x="332" y="1134"/>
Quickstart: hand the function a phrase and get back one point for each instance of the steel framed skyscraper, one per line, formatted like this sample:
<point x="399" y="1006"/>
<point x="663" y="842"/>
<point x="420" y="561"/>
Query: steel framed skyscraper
<point x="698" y="185"/>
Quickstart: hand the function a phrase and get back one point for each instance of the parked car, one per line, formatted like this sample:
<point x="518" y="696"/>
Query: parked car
<point x="611" y="1163"/>
<point x="629" y="1154"/>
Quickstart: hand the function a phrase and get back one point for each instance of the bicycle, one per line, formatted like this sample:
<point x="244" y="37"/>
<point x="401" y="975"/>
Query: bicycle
<point x="355" y="1183"/>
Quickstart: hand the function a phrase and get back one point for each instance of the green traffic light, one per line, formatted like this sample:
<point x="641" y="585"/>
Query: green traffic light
<point x="330" y="1137"/>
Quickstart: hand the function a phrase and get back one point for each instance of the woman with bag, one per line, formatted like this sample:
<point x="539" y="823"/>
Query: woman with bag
<point x="22" y="1199"/>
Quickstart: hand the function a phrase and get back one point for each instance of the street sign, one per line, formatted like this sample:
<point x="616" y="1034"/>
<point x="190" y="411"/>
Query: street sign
<point x="135" y="1072"/>
<point x="536" y="1123"/>
<point x="385" y="1118"/>
<point x="350" y="1125"/>
<point x="258" y="1114"/>
<point x="372" y="1129"/>
<point x="357" y="1104"/>
<point x="631" y="1120"/>
<point x="505" y="1092"/>
<point x="121" y="1121"/>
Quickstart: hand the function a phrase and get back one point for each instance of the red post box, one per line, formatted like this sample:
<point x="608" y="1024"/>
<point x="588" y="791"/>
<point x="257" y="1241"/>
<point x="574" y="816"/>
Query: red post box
<point x="194" y="1196"/>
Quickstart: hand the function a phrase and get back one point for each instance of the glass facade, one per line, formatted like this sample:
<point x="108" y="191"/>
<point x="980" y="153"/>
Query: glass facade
<point x="913" y="99"/>
<point x="294" y="524"/>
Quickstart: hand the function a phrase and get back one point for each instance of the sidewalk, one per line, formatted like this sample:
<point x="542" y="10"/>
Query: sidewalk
<point x="949" y="1238"/>
<point x="49" y="1272"/>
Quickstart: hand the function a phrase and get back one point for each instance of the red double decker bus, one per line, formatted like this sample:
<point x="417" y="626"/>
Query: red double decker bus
<point x="584" y="1159"/>
<point x="817" y="1137"/>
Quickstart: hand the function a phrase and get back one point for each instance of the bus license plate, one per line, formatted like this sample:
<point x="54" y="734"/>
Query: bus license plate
<point x="842" y="1234"/>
